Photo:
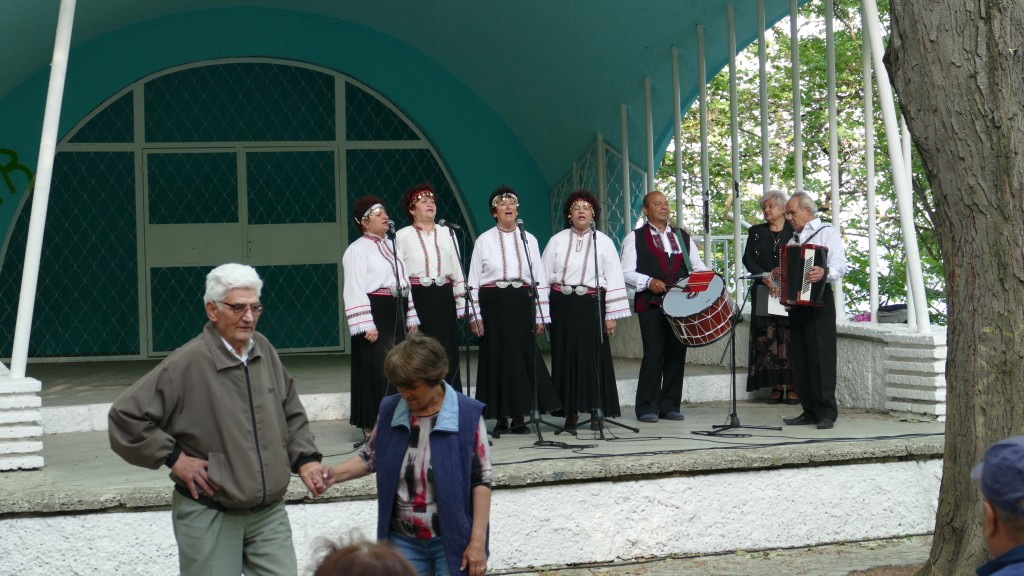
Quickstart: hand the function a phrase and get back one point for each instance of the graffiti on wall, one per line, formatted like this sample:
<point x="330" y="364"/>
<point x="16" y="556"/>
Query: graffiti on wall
<point x="14" y="175"/>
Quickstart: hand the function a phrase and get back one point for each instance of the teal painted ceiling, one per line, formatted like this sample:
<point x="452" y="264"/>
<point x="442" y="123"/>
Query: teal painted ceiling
<point x="555" y="71"/>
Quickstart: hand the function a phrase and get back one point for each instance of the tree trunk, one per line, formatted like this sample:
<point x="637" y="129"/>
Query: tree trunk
<point x="958" y="66"/>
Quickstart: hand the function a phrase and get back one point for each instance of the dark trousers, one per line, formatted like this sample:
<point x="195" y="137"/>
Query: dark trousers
<point x="660" y="388"/>
<point x="813" y="354"/>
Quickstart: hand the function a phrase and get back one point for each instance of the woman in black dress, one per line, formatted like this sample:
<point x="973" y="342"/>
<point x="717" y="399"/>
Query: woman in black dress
<point x="768" y="360"/>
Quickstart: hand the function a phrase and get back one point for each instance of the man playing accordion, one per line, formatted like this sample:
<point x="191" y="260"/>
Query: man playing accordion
<point x="812" y="328"/>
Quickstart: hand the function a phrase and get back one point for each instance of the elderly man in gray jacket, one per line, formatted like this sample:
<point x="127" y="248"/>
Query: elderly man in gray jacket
<point x="223" y="414"/>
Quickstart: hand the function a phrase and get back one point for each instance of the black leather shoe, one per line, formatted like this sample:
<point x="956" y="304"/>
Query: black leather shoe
<point x="825" y="424"/>
<point x="801" y="420"/>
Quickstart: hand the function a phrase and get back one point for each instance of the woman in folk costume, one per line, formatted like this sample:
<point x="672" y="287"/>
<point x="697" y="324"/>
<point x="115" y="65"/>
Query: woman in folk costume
<point x="585" y="302"/>
<point x="431" y="260"/>
<point x="378" y="308"/>
<point x="509" y="318"/>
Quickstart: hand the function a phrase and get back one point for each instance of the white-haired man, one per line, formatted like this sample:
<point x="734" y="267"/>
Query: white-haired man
<point x="813" y="330"/>
<point x="223" y="414"/>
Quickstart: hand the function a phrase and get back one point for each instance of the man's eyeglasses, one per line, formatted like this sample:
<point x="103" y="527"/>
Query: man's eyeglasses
<point x="239" y="309"/>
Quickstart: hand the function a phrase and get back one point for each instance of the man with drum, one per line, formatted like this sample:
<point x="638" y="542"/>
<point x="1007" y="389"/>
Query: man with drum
<point x="655" y="257"/>
<point x="813" y="329"/>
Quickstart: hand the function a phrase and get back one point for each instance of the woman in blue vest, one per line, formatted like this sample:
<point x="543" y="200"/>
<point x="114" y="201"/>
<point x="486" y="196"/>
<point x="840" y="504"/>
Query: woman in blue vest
<point x="429" y="451"/>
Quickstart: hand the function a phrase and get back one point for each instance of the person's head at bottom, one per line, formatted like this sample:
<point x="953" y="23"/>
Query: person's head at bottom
<point x="363" y="559"/>
<point x="1001" y="480"/>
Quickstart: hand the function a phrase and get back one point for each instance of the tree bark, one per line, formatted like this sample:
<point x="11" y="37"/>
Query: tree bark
<point x="958" y="67"/>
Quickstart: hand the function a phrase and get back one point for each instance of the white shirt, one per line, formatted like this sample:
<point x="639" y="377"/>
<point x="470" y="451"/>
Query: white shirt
<point x="639" y="281"/>
<point x="500" y="255"/>
<point x="432" y="255"/>
<point x="569" y="259"/>
<point x="830" y="238"/>
<point x="369" y="265"/>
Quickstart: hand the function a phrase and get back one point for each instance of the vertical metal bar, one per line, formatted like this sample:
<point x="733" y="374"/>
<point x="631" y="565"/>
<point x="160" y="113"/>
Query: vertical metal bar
<point x="649" y="119"/>
<point x="798" y="126"/>
<point x="41" y="192"/>
<point x="602" y="177"/>
<point x="624" y="119"/>
<point x="705" y="175"/>
<point x="677" y="135"/>
<point x="833" y="141"/>
<point x="904" y="196"/>
<point x="869" y="169"/>
<point x="734" y="129"/>
<point x="762" y="80"/>
<point x="909" y="182"/>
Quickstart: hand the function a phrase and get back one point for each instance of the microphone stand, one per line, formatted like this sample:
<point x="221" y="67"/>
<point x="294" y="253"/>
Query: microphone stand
<point x="467" y="304"/>
<point x="734" y="419"/>
<point x="601" y="420"/>
<point x="535" y="417"/>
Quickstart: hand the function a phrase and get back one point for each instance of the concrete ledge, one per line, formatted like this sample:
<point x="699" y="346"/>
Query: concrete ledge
<point x="10" y="385"/>
<point x="19" y="432"/>
<point x="18" y="401"/>
<point x="22" y="462"/>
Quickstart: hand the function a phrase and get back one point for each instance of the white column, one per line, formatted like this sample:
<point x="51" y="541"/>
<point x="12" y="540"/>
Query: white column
<point x="734" y="129"/>
<point x="869" y="169"/>
<point x="649" y="121"/>
<point x="762" y="81"/>
<point x="904" y="200"/>
<point x="624" y="120"/>
<point x="908" y="177"/>
<point x="677" y="135"/>
<point x="798" y="130"/>
<point x="20" y="419"/>
<point x="833" y="142"/>
<point x="705" y="171"/>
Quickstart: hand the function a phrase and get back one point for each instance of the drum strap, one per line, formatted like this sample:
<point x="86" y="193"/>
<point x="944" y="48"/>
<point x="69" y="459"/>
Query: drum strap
<point x="685" y="247"/>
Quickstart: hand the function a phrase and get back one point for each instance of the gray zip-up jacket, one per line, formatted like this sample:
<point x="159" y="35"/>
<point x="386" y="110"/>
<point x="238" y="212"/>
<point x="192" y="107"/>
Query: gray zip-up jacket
<point x="247" y="421"/>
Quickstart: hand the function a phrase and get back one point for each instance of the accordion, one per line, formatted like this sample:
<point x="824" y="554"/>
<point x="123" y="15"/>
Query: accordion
<point x="796" y="262"/>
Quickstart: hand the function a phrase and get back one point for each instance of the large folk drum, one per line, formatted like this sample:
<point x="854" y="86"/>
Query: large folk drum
<point x="699" y="309"/>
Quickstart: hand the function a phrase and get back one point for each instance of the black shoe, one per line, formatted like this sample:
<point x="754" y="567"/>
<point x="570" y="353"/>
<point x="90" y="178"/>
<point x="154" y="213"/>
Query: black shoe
<point x="825" y="424"/>
<point x="776" y="397"/>
<point x="519" y="426"/>
<point x="501" y="425"/>
<point x="672" y="415"/>
<point x="800" y="420"/>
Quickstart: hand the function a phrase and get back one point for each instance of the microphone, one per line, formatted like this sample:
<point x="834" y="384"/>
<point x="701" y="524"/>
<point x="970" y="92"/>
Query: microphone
<point x="758" y="276"/>
<point x="452" y="225"/>
<point x="391" y="227"/>
<point x="593" y="227"/>
<point x="522" y="231"/>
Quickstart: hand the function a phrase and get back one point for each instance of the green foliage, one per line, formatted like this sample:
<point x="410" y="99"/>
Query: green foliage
<point x="852" y="171"/>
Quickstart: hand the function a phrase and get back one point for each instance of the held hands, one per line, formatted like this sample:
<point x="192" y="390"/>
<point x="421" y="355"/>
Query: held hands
<point x="370" y="336"/>
<point x="656" y="286"/>
<point x="537" y="329"/>
<point x="477" y="327"/>
<point x="312" y="476"/>
<point x="193" y="472"/>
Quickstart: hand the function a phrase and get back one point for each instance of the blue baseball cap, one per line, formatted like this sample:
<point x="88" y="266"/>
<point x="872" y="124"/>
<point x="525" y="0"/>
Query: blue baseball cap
<point x="1001" y="475"/>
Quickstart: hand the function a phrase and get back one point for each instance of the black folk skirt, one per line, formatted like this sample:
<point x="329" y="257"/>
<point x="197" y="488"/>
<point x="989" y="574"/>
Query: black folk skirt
<point x="579" y="357"/>
<point x="369" y="386"/>
<point x="435" y="306"/>
<point x="510" y="361"/>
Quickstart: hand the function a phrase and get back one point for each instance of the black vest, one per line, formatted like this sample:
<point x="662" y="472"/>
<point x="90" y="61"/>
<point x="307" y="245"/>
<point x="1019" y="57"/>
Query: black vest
<point x="650" y="261"/>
